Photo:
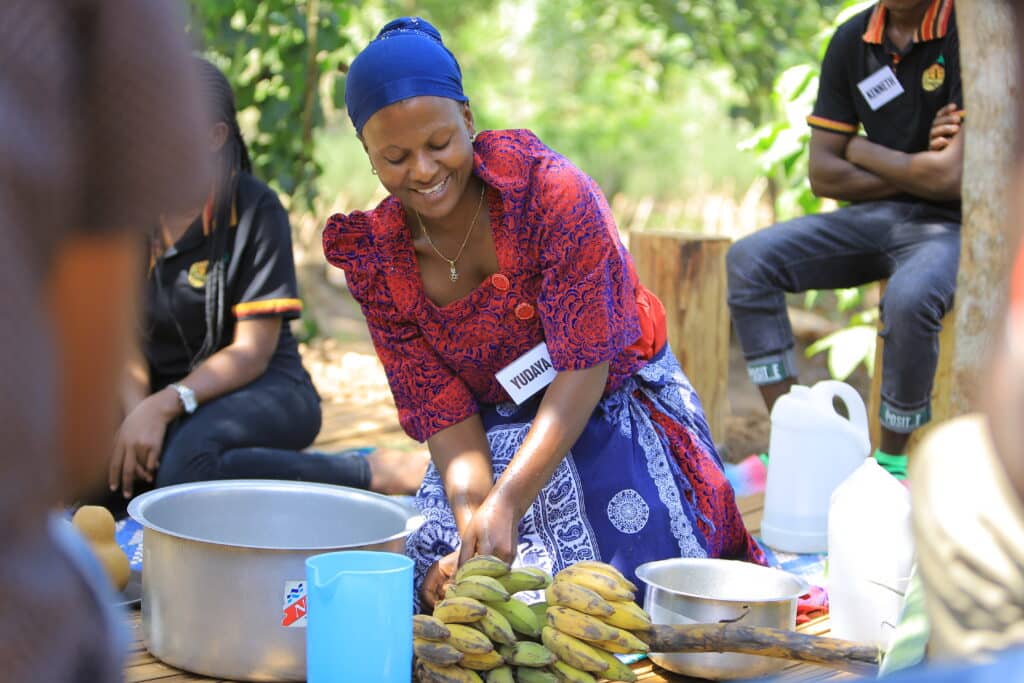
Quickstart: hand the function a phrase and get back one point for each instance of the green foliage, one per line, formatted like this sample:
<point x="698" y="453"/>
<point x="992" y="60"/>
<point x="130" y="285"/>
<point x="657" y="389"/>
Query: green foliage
<point x="282" y="58"/>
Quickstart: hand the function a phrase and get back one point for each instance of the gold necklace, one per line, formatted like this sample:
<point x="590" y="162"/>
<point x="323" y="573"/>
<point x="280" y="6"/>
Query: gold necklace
<point x="454" y="274"/>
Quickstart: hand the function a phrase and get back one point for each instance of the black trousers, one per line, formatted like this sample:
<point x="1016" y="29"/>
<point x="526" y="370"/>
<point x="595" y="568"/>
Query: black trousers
<point x="256" y="432"/>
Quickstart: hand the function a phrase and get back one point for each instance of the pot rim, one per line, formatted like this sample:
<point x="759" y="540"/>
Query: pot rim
<point x="643" y="573"/>
<point x="138" y="506"/>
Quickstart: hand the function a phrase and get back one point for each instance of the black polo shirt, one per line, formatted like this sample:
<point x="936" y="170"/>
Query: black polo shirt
<point x="260" y="283"/>
<point x="928" y="70"/>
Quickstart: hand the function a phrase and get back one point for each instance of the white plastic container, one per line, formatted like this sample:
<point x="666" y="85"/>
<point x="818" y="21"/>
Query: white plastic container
<point x="870" y="555"/>
<point x="812" y="449"/>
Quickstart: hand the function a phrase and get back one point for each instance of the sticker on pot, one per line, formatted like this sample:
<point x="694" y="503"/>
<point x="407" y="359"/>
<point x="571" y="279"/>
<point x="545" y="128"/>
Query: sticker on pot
<point x="294" y="611"/>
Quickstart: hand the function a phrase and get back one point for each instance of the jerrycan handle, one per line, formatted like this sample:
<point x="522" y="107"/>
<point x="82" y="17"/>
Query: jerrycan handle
<point x="828" y="389"/>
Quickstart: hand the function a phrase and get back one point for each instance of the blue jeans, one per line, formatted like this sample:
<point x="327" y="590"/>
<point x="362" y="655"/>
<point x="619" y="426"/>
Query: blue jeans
<point x="256" y="432"/>
<point x="915" y="245"/>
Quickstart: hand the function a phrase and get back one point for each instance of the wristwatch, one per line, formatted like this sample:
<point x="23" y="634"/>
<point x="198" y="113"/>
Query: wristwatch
<point x="187" y="398"/>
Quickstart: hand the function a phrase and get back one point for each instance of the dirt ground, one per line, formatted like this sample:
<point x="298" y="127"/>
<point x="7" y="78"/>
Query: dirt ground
<point x="358" y="407"/>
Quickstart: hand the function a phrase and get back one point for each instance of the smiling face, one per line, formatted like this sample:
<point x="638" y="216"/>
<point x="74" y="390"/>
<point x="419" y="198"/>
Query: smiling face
<point x="422" y="152"/>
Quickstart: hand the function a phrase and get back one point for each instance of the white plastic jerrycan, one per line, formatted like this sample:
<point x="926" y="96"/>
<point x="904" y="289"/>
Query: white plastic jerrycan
<point x="812" y="448"/>
<point x="870" y="555"/>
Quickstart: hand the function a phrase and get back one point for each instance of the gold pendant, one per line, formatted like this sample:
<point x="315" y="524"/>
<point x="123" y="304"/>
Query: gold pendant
<point x="454" y="275"/>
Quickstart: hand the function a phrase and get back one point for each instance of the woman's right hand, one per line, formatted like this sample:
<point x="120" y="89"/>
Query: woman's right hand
<point x="140" y="439"/>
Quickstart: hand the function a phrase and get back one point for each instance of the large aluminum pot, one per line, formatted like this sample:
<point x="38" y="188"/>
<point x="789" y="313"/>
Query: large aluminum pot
<point x="222" y="560"/>
<point x="706" y="591"/>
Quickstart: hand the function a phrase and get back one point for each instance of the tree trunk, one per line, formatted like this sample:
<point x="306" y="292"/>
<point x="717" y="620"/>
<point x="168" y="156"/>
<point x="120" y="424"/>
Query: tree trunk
<point x="988" y="58"/>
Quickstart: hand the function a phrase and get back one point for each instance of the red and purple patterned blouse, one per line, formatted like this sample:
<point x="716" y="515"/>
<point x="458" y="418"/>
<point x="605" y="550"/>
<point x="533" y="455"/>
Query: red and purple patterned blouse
<point x="564" y="278"/>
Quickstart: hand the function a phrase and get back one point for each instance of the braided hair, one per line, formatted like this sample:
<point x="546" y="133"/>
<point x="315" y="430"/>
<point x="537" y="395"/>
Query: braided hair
<point x="232" y="160"/>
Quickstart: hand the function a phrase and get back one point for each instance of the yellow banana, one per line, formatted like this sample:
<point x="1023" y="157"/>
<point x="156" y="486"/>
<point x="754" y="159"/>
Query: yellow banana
<point x="481" y="587"/>
<point x="519" y="616"/>
<point x="573" y="651"/>
<point x="527" y="653"/>
<point x="459" y="610"/>
<point x="525" y="674"/>
<point x="570" y="674"/>
<point x="503" y="674"/>
<point x="525" y="579"/>
<point x="604" y="585"/>
<point x="482" y="662"/>
<point x="608" y="569"/>
<point x="429" y="628"/>
<point x="497" y="628"/>
<point x="579" y="598"/>
<point x="617" y="671"/>
<point x="628" y="615"/>
<point x="449" y="591"/>
<point x="435" y="652"/>
<point x="623" y="642"/>
<point x="468" y="640"/>
<point x="482" y="565"/>
<point x="435" y="673"/>
<point x="579" y="624"/>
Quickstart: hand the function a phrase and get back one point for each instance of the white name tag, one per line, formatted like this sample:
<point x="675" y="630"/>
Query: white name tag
<point x="528" y="374"/>
<point x="880" y="87"/>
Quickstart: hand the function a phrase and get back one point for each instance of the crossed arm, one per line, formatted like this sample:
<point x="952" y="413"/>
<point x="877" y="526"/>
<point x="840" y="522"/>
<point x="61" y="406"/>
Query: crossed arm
<point x="852" y="168"/>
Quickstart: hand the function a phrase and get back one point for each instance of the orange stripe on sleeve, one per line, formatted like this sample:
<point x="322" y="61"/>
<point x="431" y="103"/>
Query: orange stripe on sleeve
<point x="266" y="306"/>
<point x="830" y="125"/>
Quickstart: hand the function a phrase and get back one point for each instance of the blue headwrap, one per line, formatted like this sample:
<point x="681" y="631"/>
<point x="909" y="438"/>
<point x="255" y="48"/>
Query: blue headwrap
<point x="406" y="59"/>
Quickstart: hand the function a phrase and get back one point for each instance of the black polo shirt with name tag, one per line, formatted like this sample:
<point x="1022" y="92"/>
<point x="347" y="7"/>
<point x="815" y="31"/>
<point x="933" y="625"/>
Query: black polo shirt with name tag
<point x="260" y="283"/>
<point x="901" y="90"/>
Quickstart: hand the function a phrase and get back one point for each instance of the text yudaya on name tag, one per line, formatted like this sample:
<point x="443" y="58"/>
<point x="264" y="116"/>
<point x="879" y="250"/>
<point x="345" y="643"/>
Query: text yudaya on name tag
<point x="880" y="87"/>
<point x="528" y="374"/>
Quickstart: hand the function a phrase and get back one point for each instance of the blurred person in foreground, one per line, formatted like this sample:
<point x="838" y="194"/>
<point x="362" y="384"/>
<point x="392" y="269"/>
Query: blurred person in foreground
<point x="99" y="122"/>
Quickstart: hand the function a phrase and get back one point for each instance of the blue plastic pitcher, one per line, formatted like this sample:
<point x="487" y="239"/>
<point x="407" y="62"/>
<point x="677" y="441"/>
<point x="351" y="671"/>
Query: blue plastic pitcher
<point x="359" y="620"/>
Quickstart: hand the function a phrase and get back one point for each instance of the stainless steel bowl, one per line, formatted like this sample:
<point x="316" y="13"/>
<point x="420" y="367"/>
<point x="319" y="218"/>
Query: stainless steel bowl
<point x="706" y="591"/>
<point x="220" y="556"/>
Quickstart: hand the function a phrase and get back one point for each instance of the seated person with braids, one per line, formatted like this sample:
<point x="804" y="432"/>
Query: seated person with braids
<point x="218" y="390"/>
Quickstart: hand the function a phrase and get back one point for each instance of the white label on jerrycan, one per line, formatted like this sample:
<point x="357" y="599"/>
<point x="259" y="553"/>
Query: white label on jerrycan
<point x="294" y="610"/>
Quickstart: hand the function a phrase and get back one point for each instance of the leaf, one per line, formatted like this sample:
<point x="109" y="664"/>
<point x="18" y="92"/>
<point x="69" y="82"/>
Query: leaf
<point x="848" y="298"/>
<point x="847" y="348"/>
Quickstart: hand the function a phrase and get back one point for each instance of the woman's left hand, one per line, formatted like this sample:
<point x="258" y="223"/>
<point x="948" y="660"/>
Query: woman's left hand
<point x="493" y="530"/>
<point x="140" y="441"/>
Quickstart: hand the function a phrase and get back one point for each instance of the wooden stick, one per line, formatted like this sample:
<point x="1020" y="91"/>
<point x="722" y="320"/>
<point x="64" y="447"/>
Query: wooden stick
<point x="843" y="655"/>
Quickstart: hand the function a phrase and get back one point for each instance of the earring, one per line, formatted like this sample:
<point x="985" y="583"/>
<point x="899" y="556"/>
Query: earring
<point x="472" y="138"/>
<point x="373" y="169"/>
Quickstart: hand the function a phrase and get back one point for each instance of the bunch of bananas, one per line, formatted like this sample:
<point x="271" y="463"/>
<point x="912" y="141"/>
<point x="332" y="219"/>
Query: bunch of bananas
<point x="481" y="631"/>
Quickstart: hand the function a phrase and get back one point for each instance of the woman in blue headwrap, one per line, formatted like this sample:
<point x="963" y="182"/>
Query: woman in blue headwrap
<point x="517" y="340"/>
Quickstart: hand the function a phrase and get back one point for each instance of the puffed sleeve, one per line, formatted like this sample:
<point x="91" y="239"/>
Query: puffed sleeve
<point x="266" y="266"/>
<point x="587" y="303"/>
<point x="428" y="394"/>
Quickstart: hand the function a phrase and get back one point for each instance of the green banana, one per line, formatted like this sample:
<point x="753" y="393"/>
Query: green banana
<point x="574" y="651"/>
<point x="527" y="653"/>
<point x="482" y="565"/>
<point x="429" y="628"/>
<point x="436" y="653"/>
<point x="519" y="616"/>
<point x="525" y="579"/>
<point x="481" y="587"/>
<point x="570" y="674"/>
<point x="579" y="598"/>
<point x="497" y="628"/>
<point x="468" y="640"/>
<point x="503" y="674"/>
<point x="525" y="674"/>
<point x="459" y="610"/>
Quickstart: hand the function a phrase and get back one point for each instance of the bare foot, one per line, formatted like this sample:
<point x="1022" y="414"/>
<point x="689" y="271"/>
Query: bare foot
<point x="397" y="472"/>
